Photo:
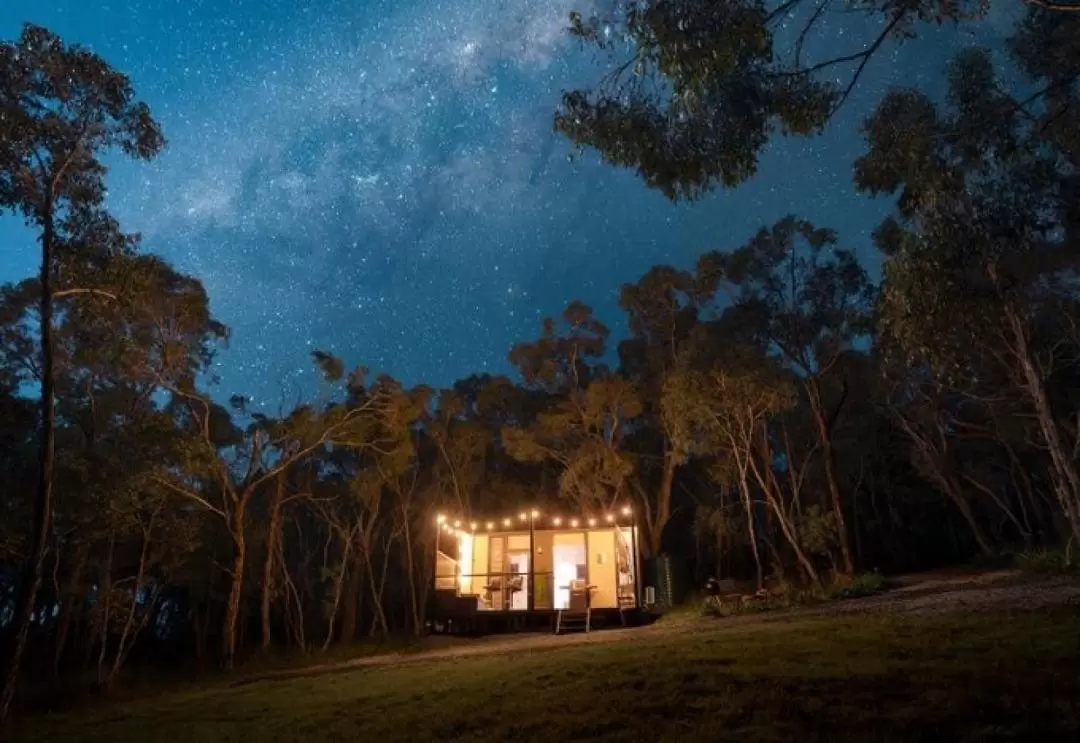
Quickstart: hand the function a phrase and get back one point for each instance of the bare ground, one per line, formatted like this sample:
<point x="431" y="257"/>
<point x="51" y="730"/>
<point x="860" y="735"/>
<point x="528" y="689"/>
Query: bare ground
<point x="927" y="594"/>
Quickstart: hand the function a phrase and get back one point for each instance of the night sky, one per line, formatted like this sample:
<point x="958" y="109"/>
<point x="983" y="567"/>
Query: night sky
<point x="381" y="180"/>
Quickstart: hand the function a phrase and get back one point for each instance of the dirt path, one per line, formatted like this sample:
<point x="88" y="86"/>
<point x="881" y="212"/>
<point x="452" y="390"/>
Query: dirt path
<point x="927" y="594"/>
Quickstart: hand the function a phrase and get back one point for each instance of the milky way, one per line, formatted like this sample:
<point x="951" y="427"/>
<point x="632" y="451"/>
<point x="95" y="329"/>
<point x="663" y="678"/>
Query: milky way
<point x="381" y="179"/>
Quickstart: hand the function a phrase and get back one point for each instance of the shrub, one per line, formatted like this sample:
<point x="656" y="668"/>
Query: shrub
<point x="863" y="584"/>
<point x="1043" y="561"/>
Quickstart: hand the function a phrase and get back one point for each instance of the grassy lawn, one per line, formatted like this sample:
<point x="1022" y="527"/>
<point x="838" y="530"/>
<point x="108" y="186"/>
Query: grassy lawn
<point x="985" y="677"/>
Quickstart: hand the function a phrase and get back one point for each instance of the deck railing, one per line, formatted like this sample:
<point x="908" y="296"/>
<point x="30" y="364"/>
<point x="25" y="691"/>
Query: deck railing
<point x="502" y="591"/>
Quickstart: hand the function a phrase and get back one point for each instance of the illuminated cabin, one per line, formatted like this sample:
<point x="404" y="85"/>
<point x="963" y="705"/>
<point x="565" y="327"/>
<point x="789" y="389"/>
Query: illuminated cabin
<point x="534" y="570"/>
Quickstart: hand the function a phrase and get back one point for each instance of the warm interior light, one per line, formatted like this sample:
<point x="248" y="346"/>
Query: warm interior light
<point x="474" y="526"/>
<point x="609" y="518"/>
<point x="440" y="519"/>
<point x="507" y="522"/>
<point x="556" y="521"/>
<point x="490" y="525"/>
<point x="573" y="523"/>
<point x="592" y="522"/>
<point x="535" y="514"/>
<point x="522" y="516"/>
<point x="457" y="524"/>
<point x="626" y="511"/>
<point x="465" y="553"/>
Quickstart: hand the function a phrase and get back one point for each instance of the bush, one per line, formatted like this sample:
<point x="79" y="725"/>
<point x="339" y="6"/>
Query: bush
<point x="863" y="584"/>
<point x="1045" y="561"/>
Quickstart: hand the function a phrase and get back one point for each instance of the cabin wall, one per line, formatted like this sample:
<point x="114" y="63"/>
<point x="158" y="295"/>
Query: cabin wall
<point x="603" y="568"/>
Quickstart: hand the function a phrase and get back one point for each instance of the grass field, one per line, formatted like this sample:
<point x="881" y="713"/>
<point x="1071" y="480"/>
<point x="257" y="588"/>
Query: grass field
<point x="978" y="677"/>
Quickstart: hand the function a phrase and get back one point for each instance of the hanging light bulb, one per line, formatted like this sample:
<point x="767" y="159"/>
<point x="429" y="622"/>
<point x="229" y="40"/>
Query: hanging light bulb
<point x="609" y="518"/>
<point x="507" y="522"/>
<point x="592" y="522"/>
<point x="523" y="516"/>
<point x="457" y="524"/>
<point x="556" y="521"/>
<point x="626" y="511"/>
<point x="440" y="519"/>
<point x="474" y="526"/>
<point x="490" y="526"/>
<point x="574" y="523"/>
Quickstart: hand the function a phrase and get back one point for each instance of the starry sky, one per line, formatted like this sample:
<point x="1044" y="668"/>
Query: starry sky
<point x="380" y="178"/>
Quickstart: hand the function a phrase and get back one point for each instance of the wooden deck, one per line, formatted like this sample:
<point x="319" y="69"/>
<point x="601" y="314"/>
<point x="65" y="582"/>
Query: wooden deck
<point x="460" y="615"/>
<point x="480" y="623"/>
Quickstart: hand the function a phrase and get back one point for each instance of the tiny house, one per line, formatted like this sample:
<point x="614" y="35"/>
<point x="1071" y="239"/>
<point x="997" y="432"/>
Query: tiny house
<point x="533" y="569"/>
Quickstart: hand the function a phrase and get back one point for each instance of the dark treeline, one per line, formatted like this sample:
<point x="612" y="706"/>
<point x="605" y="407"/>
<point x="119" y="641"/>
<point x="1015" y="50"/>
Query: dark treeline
<point x="772" y="414"/>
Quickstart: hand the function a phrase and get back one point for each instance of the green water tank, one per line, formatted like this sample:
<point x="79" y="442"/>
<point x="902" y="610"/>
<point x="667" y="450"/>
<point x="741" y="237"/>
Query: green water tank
<point x="667" y="576"/>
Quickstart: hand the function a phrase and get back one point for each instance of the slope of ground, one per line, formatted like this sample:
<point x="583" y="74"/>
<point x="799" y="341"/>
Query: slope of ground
<point x="997" y="670"/>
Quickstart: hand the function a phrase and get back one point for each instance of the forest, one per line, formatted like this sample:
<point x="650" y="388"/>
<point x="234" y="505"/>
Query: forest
<point x="774" y="413"/>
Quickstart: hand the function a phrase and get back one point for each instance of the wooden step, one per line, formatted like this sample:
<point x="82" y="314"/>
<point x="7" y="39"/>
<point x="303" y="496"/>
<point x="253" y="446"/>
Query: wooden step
<point x="573" y="621"/>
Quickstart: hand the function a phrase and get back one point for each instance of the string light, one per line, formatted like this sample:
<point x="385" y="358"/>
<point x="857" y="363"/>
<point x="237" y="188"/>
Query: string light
<point x="457" y="526"/>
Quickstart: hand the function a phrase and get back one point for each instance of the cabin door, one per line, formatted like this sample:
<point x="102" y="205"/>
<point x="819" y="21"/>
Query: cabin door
<point x="518" y="581"/>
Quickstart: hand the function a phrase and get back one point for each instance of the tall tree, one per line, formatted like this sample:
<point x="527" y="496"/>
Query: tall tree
<point x="63" y="108"/>
<point x="662" y="311"/>
<point x="983" y="249"/>
<point x="803" y="299"/>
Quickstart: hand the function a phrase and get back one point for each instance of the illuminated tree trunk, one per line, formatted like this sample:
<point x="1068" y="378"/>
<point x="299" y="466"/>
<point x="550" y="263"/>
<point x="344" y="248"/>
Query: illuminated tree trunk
<point x="663" y="504"/>
<point x="829" y="457"/>
<point x="1066" y="477"/>
<point x="273" y="535"/>
<point x="232" y="607"/>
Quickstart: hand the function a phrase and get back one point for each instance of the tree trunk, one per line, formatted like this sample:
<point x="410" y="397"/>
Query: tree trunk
<point x="339" y="585"/>
<point x="1067" y="478"/>
<point x="69" y="603"/>
<point x="106" y="612"/>
<point x="43" y="505"/>
<point x="273" y="534"/>
<point x="130" y="631"/>
<point x="353" y="591"/>
<point x="751" y="529"/>
<point x="663" y="504"/>
<point x="773" y="501"/>
<point x="232" y="608"/>
<point x="410" y="570"/>
<point x="956" y="495"/>
<point x="829" y="458"/>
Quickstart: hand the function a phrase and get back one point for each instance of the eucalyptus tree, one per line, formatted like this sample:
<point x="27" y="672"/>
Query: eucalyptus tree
<point x="63" y="108"/>
<point x="139" y="325"/>
<point x="696" y="88"/>
<point x="983" y="248"/>
<point x="662" y="312"/>
<point x="793" y="292"/>
<point x="583" y="428"/>
<point x="226" y="469"/>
